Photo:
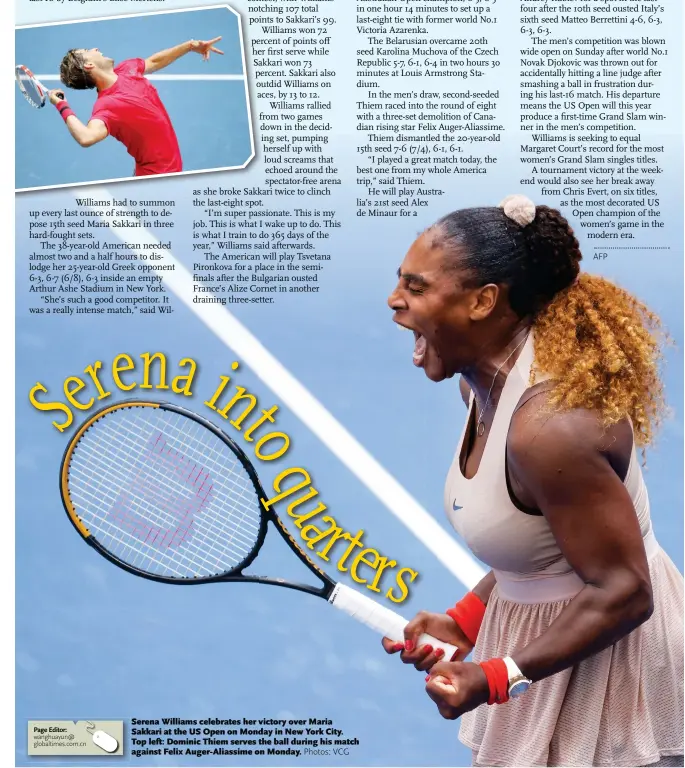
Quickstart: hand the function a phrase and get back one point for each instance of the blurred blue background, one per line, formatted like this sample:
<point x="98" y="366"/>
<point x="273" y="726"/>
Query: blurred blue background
<point x="210" y="117"/>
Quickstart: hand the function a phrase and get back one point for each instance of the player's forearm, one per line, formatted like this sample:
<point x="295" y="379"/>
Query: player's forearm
<point x="164" y="58"/>
<point x="79" y="131"/>
<point x="595" y="619"/>
<point x="85" y="135"/>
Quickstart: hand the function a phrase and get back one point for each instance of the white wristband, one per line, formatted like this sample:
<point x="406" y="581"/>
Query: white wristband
<point x="512" y="668"/>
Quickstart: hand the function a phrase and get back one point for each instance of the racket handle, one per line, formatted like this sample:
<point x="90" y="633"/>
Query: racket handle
<point x="378" y="617"/>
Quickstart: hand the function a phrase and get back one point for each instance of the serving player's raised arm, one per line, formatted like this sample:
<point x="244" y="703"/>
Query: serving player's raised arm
<point x="163" y="58"/>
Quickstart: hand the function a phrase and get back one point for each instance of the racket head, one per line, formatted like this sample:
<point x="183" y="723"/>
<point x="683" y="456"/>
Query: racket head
<point x="163" y="493"/>
<point x="32" y="89"/>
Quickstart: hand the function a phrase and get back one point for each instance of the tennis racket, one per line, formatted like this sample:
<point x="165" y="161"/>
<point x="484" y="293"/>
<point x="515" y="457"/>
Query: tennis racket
<point x="164" y="494"/>
<point x="33" y="90"/>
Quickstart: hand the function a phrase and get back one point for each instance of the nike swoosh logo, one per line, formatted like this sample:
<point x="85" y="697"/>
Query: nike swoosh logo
<point x="455" y="507"/>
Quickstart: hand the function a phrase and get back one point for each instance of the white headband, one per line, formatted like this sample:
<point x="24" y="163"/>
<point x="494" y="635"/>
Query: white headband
<point x="518" y="208"/>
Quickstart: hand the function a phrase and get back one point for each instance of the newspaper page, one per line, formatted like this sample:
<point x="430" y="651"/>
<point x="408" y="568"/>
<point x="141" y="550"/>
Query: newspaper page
<point x="367" y="305"/>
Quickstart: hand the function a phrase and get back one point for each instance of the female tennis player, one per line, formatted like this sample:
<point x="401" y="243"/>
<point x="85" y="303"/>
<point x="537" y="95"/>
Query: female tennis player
<point x="577" y="632"/>
<point x="128" y="106"/>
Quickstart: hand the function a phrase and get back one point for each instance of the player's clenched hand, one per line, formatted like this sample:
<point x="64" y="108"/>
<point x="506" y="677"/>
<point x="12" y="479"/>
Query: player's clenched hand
<point x="457" y="688"/>
<point x="56" y="95"/>
<point x="205" y="47"/>
<point x="423" y="657"/>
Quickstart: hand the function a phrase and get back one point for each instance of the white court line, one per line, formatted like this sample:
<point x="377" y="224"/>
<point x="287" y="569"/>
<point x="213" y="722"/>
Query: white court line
<point x="308" y="409"/>
<point x="49" y="78"/>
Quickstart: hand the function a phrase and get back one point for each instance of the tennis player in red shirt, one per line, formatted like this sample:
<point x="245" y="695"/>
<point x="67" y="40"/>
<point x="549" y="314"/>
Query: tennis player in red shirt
<point x="128" y="106"/>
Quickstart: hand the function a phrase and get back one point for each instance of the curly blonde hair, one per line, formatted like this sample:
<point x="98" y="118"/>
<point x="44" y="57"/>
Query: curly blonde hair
<point x="602" y="347"/>
<point x="599" y="344"/>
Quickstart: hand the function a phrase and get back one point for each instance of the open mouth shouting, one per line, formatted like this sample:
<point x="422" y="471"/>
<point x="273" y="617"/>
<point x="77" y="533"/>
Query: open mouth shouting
<point x="420" y="346"/>
<point x="428" y="302"/>
<point x="425" y="353"/>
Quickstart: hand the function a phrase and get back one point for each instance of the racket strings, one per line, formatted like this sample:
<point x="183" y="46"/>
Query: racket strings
<point x="164" y="494"/>
<point x="151" y="510"/>
<point x="236" y="489"/>
<point x="151" y="513"/>
<point x="29" y="86"/>
<point x="239" y="492"/>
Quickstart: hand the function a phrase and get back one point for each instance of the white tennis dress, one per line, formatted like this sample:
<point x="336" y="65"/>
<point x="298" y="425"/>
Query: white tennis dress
<point x="620" y="707"/>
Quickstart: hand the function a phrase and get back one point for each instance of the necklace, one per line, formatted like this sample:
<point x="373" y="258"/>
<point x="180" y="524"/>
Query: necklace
<point x="480" y="427"/>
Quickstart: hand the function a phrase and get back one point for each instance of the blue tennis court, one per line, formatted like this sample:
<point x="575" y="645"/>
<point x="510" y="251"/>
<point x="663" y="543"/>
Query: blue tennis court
<point x="206" y="101"/>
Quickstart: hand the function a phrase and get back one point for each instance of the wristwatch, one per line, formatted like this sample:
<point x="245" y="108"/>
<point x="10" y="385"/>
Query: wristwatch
<point x="518" y="682"/>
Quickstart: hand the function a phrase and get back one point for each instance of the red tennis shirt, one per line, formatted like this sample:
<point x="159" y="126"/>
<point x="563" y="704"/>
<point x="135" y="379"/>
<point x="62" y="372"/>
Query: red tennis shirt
<point x="134" y="114"/>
